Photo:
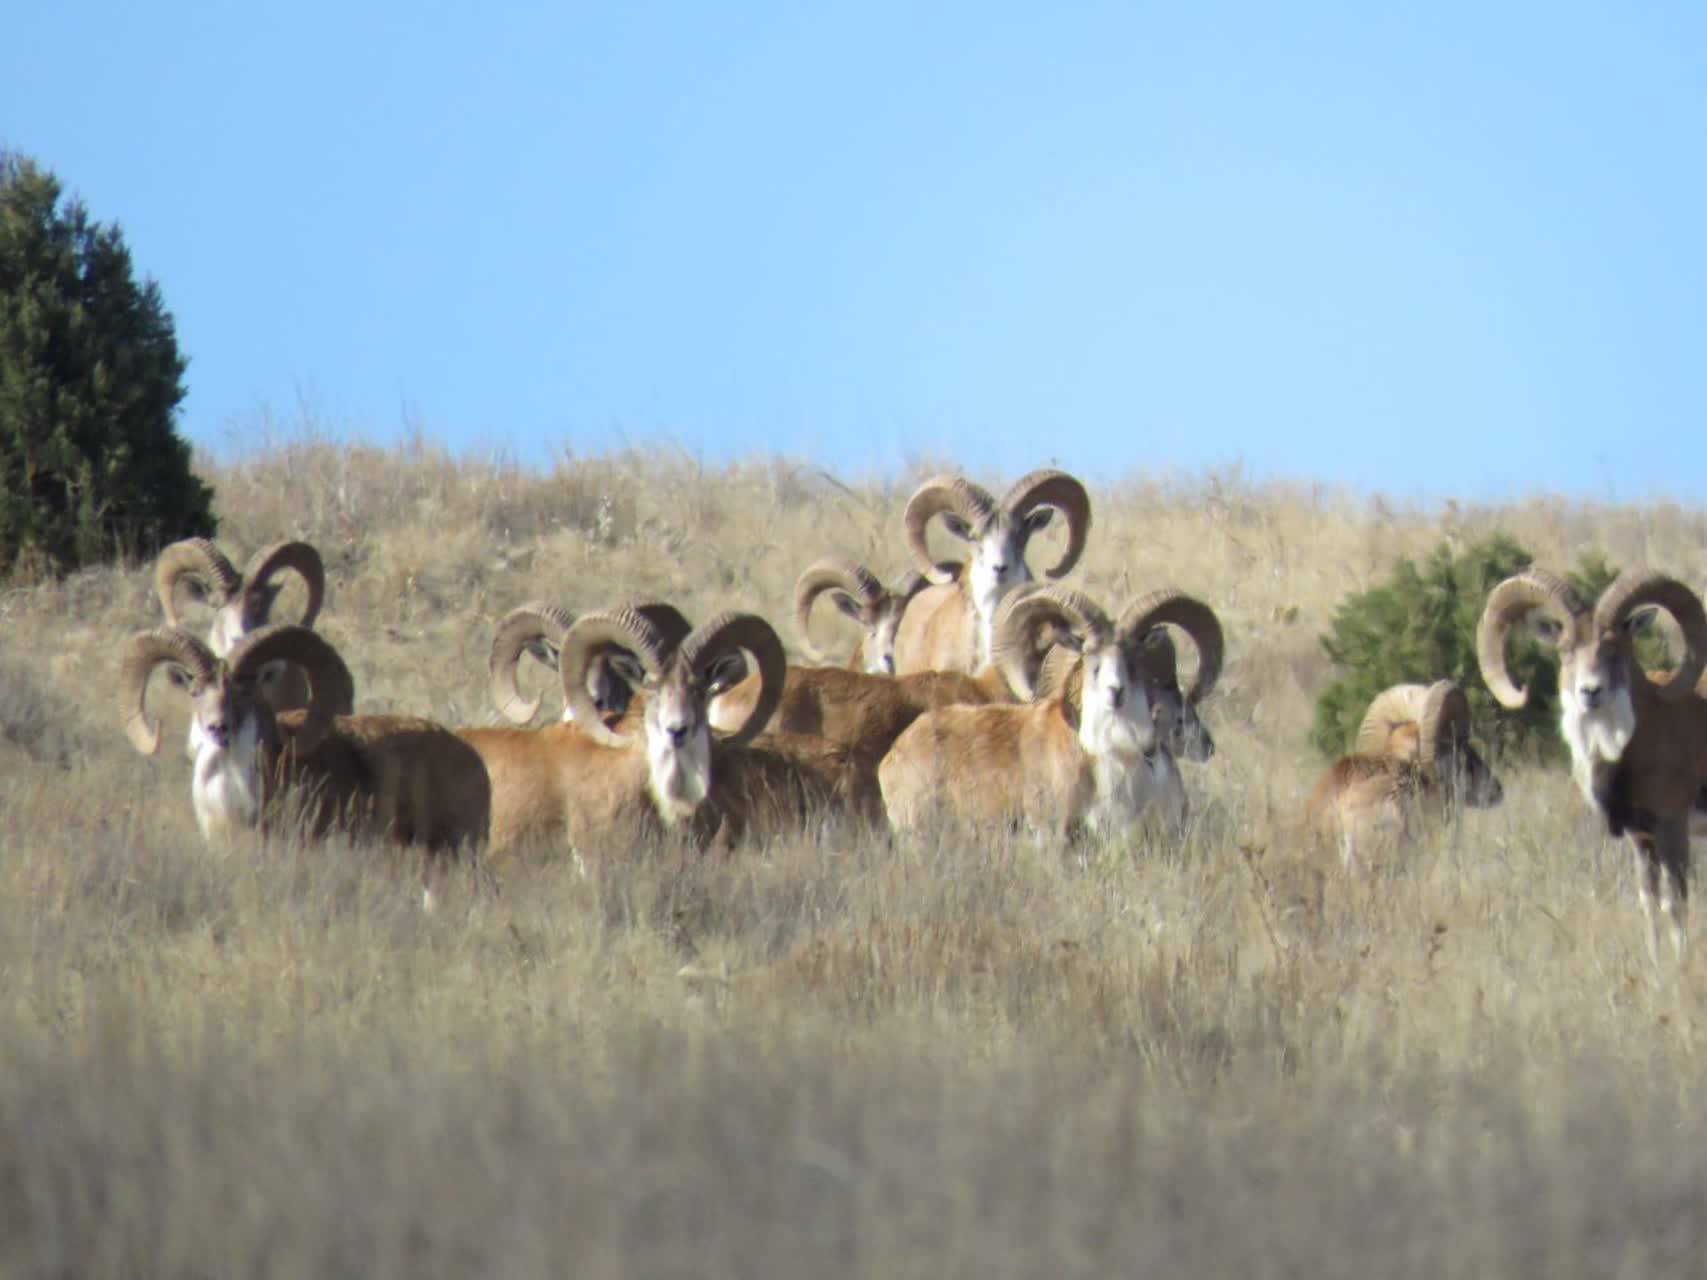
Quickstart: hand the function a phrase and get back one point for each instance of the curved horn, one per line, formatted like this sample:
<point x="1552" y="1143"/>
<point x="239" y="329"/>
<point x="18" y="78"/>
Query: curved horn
<point x="1399" y="704"/>
<point x="142" y="653"/>
<point x="195" y="558"/>
<point x="623" y="627"/>
<point x="535" y="622"/>
<point x="1516" y="596"/>
<point x="1635" y="587"/>
<point x="729" y="631"/>
<point x="1445" y="719"/>
<point x="1190" y="615"/>
<point x="300" y="556"/>
<point x="1048" y="488"/>
<point x="1013" y="640"/>
<point x="1054" y="671"/>
<point x="972" y="503"/>
<point x="832" y="575"/>
<point x="332" y="690"/>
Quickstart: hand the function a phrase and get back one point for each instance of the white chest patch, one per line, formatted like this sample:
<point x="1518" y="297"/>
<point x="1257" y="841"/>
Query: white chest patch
<point x="226" y="791"/>
<point x="680" y="777"/>
<point x="1596" y="737"/>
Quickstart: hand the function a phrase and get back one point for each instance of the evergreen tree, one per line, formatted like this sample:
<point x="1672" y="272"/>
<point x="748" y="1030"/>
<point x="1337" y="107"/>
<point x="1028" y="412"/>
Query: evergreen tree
<point x="91" y="465"/>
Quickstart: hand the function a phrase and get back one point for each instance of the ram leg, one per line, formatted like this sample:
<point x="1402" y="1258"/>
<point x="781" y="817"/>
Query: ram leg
<point x="1663" y="873"/>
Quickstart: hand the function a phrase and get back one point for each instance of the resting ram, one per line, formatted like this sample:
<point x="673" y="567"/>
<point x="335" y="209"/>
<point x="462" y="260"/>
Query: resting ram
<point x="947" y="627"/>
<point x="1638" y="748"/>
<point x="1413" y="760"/>
<point x="659" y="767"/>
<point x="1086" y="756"/>
<point x="397" y="778"/>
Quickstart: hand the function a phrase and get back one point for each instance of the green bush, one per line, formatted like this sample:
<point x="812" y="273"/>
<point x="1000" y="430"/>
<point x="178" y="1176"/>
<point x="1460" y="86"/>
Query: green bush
<point x="1420" y="626"/>
<point x="91" y="465"/>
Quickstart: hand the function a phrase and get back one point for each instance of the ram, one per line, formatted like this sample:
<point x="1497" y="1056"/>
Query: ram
<point x="1413" y="760"/>
<point x="1178" y="725"/>
<point x="392" y="777"/>
<point x="537" y="629"/>
<point x="1086" y="756"/>
<point x="947" y="627"/>
<point x="856" y="592"/>
<point x="659" y="768"/>
<point x="242" y="602"/>
<point x="1638" y="749"/>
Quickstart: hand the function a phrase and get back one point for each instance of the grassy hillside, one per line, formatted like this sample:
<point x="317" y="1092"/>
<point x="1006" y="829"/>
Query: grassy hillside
<point x="824" y="1059"/>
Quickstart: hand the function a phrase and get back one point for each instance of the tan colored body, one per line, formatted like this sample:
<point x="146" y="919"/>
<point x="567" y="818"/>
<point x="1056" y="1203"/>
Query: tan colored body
<point x="993" y="765"/>
<point x="1366" y="800"/>
<point x="555" y="783"/>
<point x="855" y="710"/>
<point x="939" y="631"/>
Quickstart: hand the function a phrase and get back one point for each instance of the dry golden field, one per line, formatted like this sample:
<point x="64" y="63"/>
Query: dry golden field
<point x="829" y="1057"/>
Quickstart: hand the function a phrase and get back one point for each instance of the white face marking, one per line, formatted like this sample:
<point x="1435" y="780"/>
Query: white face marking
<point x="678" y="752"/>
<point x="1596" y="715"/>
<point x="880" y="644"/>
<point x="1114" y="717"/>
<point x="1597" y="733"/>
<point x="227" y="629"/>
<point x="226" y="789"/>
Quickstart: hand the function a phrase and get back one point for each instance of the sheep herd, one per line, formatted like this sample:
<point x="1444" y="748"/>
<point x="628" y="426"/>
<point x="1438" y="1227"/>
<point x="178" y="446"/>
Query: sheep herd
<point x="975" y="697"/>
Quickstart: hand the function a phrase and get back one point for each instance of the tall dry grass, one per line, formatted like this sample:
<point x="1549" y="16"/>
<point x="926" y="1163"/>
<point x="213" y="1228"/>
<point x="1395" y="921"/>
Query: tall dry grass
<point x="825" y="1057"/>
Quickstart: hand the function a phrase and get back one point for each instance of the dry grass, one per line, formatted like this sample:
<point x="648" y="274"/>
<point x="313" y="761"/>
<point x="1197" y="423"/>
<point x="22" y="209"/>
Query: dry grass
<point x="834" y="1058"/>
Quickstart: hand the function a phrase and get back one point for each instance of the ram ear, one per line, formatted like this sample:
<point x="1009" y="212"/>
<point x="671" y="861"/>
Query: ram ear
<point x="1641" y="619"/>
<point x="957" y="526"/>
<point x="1038" y="518"/>
<point x="628" y="667"/>
<point x="727" y="672"/>
<point x="271" y="673"/>
<point x="1545" y="628"/>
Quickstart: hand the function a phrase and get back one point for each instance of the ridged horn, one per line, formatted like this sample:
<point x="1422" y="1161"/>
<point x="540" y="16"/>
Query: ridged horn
<point x="332" y="690"/>
<point x="1634" y="588"/>
<point x="1057" y="666"/>
<point x="1022" y="613"/>
<point x="1170" y="606"/>
<point x="1445" y="719"/>
<point x="194" y="558"/>
<point x="1399" y="704"/>
<point x="1516" y="596"/>
<point x="536" y="622"/>
<point x="832" y="574"/>
<point x="971" y="502"/>
<point x="742" y="631"/>
<point x="279" y="556"/>
<point x="143" y="652"/>
<point x="592" y="635"/>
<point x="1064" y="492"/>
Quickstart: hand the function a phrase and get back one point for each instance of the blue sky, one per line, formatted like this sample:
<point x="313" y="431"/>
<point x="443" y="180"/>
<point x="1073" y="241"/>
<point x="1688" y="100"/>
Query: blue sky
<point x="1348" y="242"/>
